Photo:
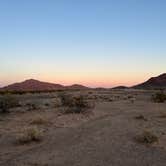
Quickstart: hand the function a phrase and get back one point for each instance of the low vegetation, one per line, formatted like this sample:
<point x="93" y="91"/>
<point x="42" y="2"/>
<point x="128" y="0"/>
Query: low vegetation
<point x="140" y="117"/>
<point x="75" y="104"/>
<point x="7" y="102"/>
<point x="163" y="115"/>
<point x="159" y="97"/>
<point x="29" y="135"/>
<point x="38" y="121"/>
<point x="147" y="137"/>
<point x="32" y="106"/>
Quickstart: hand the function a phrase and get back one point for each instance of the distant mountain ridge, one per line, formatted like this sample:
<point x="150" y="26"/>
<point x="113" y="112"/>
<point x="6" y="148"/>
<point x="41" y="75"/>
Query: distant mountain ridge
<point x="154" y="82"/>
<point x="76" y="86"/>
<point x="120" y="87"/>
<point x="35" y="85"/>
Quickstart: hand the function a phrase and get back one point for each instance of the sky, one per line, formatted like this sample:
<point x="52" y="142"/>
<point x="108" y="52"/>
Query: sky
<point x="97" y="43"/>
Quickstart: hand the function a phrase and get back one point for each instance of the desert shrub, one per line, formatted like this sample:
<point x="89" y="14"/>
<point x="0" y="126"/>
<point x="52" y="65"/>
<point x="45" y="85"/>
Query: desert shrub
<point x="47" y="104"/>
<point x="38" y="121"/>
<point x="163" y="115"/>
<point x="140" y="117"/>
<point x="147" y="137"/>
<point x="129" y="96"/>
<point x="32" y="106"/>
<point x="75" y="104"/>
<point x="66" y="99"/>
<point x="7" y="102"/>
<point x="159" y="97"/>
<point x="30" y="135"/>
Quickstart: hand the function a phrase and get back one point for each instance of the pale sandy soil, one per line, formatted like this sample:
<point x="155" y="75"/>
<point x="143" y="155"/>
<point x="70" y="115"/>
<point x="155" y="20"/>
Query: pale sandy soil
<point x="104" y="137"/>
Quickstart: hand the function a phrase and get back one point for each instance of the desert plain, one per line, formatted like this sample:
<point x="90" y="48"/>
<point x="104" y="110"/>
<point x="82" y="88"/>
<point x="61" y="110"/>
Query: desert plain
<point x="108" y="134"/>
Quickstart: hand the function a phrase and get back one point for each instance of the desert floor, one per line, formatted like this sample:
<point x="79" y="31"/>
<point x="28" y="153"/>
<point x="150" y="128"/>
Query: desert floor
<point x="104" y="137"/>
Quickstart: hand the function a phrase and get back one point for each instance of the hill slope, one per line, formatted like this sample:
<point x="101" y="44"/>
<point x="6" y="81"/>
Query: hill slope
<point x="154" y="82"/>
<point x="32" y="85"/>
<point x="35" y="85"/>
<point x="76" y="86"/>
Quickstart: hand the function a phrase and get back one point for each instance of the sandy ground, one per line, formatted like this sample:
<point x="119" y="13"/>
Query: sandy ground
<point x="105" y="137"/>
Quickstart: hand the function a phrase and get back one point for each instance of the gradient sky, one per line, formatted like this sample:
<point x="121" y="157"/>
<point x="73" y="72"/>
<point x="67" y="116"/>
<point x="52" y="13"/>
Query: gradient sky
<point x="92" y="42"/>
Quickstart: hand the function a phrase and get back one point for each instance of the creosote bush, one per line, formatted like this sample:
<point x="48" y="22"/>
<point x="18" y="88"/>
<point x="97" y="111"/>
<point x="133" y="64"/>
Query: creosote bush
<point x="75" y="104"/>
<point x="38" y="121"/>
<point x="32" y="106"/>
<point x="159" y="97"/>
<point x="140" y="117"/>
<point x="163" y="115"/>
<point x="29" y="135"/>
<point x="7" y="102"/>
<point x="66" y="99"/>
<point x="147" y="137"/>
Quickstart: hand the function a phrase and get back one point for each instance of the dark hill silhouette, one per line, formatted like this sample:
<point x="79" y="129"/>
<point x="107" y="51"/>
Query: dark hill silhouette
<point x="35" y="85"/>
<point x="76" y="86"/>
<point x="32" y="85"/>
<point x="120" y="87"/>
<point x="154" y="82"/>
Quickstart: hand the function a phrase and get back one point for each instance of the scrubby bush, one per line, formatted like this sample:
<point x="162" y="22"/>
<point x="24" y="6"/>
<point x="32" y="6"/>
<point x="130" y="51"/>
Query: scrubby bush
<point x="66" y="99"/>
<point x="7" y="102"/>
<point x="38" y="121"/>
<point x="30" y="135"/>
<point x="75" y="104"/>
<point x="163" y="115"/>
<point x="32" y="106"/>
<point x="147" y="137"/>
<point x="159" y="97"/>
<point x="140" y="117"/>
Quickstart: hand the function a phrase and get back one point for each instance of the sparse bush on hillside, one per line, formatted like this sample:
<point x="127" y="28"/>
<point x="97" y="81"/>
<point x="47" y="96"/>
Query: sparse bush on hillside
<point x="7" y="102"/>
<point x="75" y="104"/>
<point x="159" y="97"/>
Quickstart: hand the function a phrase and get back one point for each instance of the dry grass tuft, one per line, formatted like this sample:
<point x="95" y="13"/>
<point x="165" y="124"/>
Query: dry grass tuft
<point x="30" y="135"/>
<point x="38" y="121"/>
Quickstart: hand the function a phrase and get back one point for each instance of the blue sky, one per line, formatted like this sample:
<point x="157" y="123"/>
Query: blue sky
<point x="93" y="42"/>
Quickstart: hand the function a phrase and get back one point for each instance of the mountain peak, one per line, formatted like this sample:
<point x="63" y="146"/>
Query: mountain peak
<point x="32" y="85"/>
<point x="153" y="82"/>
<point x="31" y="80"/>
<point x="162" y="75"/>
<point x="35" y="85"/>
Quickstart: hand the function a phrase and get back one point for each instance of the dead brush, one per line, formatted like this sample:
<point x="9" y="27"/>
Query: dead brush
<point x="146" y="137"/>
<point x="159" y="97"/>
<point x="39" y="121"/>
<point x="163" y="115"/>
<point x="8" y="101"/>
<point x="140" y="117"/>
<point x="75" y="104"/>
<point x="28" y="135"/>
